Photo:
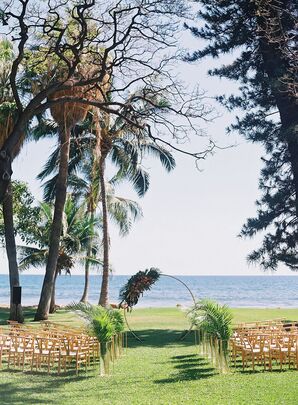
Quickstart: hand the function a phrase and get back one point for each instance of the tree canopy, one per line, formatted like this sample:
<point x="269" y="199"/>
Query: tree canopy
<point x="261" y="37"/>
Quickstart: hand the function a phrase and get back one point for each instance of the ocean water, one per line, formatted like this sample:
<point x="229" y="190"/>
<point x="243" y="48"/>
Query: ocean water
<point x="236" y="291"/>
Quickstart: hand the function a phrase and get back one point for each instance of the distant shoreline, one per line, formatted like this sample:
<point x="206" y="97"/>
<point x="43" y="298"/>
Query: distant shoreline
<point x="178" y="306"/>
<point x="74" y="274"/>
<point x="234" y="291"/>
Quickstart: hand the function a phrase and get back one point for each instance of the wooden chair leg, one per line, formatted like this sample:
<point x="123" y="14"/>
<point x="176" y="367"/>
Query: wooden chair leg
<point x="243" y="360"/>
<point x="32" y="361"/>
<point x="59" y="364"/>
<point x="8" y="361"/>
<point x="23" y="365"/>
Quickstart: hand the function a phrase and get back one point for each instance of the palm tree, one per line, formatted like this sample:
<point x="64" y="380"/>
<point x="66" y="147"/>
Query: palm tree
<point x="85" y="186"/>
<point x="126" y="145"/>
<point x="77" y="156"/>
<point x="134" y="142"/>
<point x="123" y="212"/>
<point x="67" y="115"/>
<point x="126" y="148"/>
<point x="76" y="233"/>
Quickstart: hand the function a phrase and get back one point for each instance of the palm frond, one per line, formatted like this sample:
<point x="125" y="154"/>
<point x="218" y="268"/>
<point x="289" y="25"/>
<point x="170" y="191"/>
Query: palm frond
<point x="137" y="284"/>
<point x="102" y="322"/>
<point x="51" y="165"/>
<point x="31" y="257"/>
<point x="123" y="212"/>
<point x="213" y="318"/>
<point x="140" y="179"/>
<point x="49" y="189"/>
<point x="165" y="156"/>
<point x="85" y="310"/>
<point x="45" y="128"/>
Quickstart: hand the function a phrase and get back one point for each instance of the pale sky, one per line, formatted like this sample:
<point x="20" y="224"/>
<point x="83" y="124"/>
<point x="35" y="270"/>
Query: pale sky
<point x="191" y="218"/>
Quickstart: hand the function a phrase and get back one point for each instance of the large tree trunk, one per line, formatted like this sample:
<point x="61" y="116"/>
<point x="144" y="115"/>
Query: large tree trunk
<point x="56" y="230"/>
<point x="104" y="292"/>
<point x="276" y="64"/>
<point x="53" y="297"/>
<point x="9" y="150"/>
<point x="293" y="149"/>
<point x="16" y="313"/>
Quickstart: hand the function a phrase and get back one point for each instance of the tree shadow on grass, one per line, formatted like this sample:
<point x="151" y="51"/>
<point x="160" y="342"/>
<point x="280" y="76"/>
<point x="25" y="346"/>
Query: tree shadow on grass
<point x="63" y="377"/>
<point x="184" y="356"/>
<point x="190" y="367"/>
<point x="159" y="338"/>
<point x="28" y="313"/>
<point x="259" y="368"/>
<point x="44" y="384"/>
<point x="11" y="394"/>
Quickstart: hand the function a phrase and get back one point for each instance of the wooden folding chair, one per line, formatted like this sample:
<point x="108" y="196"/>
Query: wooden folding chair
<point x="5" y="344"/>
<point x="73" y="349"/>
<point x="46" y="351"/>
<point x="21" y="348"/>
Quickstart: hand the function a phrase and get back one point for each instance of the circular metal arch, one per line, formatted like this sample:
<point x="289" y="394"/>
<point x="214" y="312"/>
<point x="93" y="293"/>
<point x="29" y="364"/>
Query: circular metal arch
<point x="183" y="336"/>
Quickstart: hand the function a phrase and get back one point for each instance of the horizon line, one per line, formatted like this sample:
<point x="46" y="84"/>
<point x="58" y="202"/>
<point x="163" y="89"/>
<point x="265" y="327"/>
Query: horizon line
<point x="177" y="275"/>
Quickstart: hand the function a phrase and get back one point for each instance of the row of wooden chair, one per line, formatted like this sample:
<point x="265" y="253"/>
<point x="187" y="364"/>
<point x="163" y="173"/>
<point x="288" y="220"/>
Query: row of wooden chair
<point x="50" y="346"/>
<point x="265" y="343"/>
<point x="256" y="324"/>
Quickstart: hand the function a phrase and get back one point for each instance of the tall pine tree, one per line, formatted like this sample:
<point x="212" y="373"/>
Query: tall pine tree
<point x="263" y="36"/>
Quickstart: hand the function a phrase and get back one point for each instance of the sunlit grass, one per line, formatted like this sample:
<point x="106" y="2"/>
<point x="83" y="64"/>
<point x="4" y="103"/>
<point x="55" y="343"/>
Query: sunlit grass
<point x="161" y="370"/>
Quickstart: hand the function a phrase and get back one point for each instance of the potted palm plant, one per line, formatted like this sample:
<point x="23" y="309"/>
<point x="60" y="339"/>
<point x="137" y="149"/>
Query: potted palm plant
<point x="117" y="343"/>
<point x="214" y="324"/>
<point x="104" y="323"/>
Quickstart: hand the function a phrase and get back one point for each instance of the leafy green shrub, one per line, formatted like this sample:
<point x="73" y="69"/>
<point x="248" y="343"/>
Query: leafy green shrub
<point x="103" y="327"/>
<point x="106" y="324"/>
<point x="214" y="323"/>
<point x="117" y="320"/>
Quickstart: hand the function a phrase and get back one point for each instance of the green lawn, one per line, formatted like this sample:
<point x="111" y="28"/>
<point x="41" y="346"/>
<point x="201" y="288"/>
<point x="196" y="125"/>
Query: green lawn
<point x="161" y="370"/>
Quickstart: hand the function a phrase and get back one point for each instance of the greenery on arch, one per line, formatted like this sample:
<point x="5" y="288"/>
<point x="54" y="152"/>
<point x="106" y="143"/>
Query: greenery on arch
<point x="140" y="282"/>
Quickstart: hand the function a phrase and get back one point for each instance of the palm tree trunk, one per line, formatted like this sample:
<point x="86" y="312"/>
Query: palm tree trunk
<point x="85" y="295"/>
<point x="56" y="230"/>
<point x="87" y="267"/>
<point x="53" y="297"/>
<point x="16" y="313"/>
<point x="104" y="292"/>
<point x="87" y="262"/>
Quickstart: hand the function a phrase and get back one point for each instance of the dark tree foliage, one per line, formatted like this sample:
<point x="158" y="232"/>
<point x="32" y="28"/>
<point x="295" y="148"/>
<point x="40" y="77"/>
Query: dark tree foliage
<point x="137" y="284"/>
<point x="262" y="35"/>
<point x="276" y="215"/>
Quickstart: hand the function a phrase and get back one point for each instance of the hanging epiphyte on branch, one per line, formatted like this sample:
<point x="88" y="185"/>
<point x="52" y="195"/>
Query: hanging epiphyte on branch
<point x="142" y="281"/>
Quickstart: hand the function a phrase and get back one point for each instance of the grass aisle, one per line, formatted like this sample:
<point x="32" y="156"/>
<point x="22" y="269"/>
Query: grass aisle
<point x="161" y="370"/>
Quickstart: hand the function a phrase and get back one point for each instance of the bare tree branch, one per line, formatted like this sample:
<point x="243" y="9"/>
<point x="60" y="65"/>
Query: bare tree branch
<point x="121" y="50"/>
